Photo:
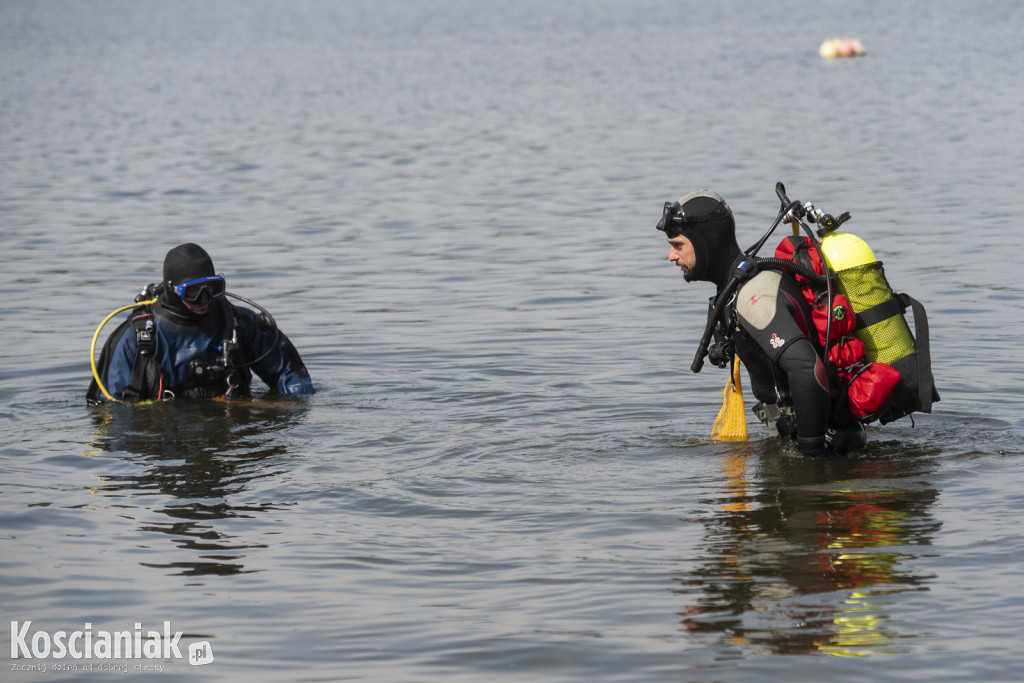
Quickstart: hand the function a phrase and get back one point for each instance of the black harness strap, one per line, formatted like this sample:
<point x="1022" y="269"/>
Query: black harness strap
<point x="926" y="392"/>
<point x="144" y="381"/>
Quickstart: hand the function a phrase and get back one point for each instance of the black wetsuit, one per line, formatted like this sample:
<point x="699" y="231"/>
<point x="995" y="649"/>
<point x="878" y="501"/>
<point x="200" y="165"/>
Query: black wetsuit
<point x="778" y="343"/>
<point x="769" y="322"/>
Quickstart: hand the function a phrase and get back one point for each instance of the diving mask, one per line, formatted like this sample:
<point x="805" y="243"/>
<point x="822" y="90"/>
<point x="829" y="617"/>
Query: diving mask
<point x="674" y="219"/>
<point x="201" y="290"/>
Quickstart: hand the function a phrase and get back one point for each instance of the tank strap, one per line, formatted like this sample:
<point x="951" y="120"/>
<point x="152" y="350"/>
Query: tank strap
<point x="926" y="392"/>
<point x="879" y="312"/>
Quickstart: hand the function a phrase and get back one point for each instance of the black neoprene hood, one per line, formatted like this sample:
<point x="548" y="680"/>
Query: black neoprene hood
<point x="707" y="222"/>
<point x="187" y="262"/>
<point x="183" y="263"/>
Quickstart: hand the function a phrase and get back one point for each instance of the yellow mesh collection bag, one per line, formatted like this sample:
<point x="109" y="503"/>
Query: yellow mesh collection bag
<point x="731" y="423"/>
<point x="888" y="339"/>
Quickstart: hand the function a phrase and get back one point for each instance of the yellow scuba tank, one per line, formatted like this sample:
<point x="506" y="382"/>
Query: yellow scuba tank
<point x="859" y="275"/>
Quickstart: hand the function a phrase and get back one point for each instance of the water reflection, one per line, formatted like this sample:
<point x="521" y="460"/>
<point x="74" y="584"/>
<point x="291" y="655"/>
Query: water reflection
<point x="806" y="556"/>
<point x="197" y="458"/>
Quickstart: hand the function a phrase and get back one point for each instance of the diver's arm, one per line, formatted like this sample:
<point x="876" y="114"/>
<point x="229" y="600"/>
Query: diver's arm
<point x="292" y="377"/>
<point x="282" y="369"/>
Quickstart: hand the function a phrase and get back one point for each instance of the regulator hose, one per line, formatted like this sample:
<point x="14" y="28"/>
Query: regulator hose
<point x="270" y="320"/>
<point x="92" y="348"/>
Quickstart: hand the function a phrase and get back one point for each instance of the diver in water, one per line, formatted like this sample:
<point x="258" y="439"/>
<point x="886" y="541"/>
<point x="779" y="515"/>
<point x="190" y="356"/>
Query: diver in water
<point x="190" y="341"/>
<point x="768" y="323"/>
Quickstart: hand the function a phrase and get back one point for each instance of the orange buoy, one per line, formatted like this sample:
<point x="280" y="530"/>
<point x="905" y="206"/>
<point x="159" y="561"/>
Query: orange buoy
<point x="841" y="47"/>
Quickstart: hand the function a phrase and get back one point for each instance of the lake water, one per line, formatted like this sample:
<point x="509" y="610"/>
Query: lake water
<point x="505" y="473"/>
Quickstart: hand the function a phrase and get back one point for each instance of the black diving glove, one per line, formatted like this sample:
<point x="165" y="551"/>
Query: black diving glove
<point x="837" y="441"/>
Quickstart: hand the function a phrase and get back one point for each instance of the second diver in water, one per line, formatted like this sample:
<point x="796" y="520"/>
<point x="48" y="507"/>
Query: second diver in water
<point x="190" y="341"/>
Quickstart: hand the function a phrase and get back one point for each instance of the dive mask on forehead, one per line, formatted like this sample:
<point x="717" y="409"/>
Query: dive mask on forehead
<point x="200" y="290"/>
<point x="674" y="218"/>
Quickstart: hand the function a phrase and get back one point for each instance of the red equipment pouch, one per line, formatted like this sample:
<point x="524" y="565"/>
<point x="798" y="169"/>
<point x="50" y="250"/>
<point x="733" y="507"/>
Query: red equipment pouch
<point x="870" y="390"/>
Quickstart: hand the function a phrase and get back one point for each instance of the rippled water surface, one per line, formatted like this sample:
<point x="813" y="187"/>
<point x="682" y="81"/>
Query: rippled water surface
<point x="505" y="473"/>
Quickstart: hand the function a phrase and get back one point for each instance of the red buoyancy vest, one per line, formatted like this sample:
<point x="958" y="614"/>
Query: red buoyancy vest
<point x="868" y="385"/>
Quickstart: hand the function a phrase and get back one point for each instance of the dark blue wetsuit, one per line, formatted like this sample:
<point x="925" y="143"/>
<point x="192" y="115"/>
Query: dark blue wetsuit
<point x="778" y="343"/>
<point x="180" y="340"/>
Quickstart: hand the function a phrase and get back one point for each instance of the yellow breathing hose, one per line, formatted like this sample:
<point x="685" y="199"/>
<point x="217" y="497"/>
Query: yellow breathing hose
<point x="92" y="349"/>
